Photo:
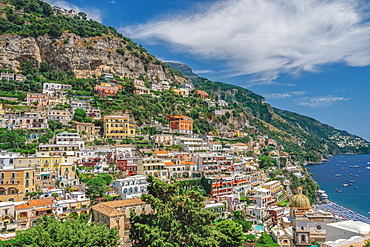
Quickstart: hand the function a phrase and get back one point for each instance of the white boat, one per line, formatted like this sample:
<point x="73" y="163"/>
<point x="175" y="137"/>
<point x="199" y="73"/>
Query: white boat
<point x="338" y="175"/>
<point x="368" y="167"/>
<point x="345" y="185"/>
<point x="354" y="166"/>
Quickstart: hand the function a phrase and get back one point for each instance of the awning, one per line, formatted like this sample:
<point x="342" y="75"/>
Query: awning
<point x="73" y="205"/>
<point x="84" y="203"/>
<point x="43" y="209"/>
<point x="70" y="153"/>
<point x="45" y="175"/>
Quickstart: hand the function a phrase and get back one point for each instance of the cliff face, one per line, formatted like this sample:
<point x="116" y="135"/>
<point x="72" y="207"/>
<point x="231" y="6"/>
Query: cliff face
<point x="84" y="56"/>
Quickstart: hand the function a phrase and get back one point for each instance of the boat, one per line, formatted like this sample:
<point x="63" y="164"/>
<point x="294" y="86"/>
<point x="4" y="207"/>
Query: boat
<point x="338" y="175"/>
<point x="355" y="188"/>
<point x="345" y="185"/>
<point x="357" y="175"/>
<point x="351" y="174"/>
<point x="351" y="181"/>
<point x="368" y="162"/>
<point x="354" y="166"/>
<point x="339" y="191"/>
<point x="368" y="167"/>
<point x="336" y="164"/>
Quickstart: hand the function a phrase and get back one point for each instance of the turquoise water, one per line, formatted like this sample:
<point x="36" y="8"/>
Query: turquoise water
<point x="356" y="199"/>
<point x="258" y="228"/>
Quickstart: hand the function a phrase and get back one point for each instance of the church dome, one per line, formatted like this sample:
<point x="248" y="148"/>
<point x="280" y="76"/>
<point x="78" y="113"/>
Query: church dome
<point x="299" y="200"/>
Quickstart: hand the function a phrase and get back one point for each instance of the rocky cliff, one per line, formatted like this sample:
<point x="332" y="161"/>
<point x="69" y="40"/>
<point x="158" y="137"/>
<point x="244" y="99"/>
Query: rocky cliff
<point x="84" y="56"/>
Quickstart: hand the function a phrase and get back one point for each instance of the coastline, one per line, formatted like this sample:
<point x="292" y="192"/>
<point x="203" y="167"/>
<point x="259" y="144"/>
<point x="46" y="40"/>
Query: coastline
<point x="352" y="203"/>
<point x="341" y="213"/>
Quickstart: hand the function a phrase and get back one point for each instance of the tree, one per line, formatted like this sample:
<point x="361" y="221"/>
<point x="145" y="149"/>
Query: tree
<point x="54" y="125"/>
<point x="98" y="185"/>
<point x="232" y="233"/>
<point x="179" y="219"/>
<point x="51" y="232"/>
<point x="79" y="115"/>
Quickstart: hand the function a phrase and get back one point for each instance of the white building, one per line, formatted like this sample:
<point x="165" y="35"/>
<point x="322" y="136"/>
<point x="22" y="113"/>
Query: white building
<point x="346" y="230"/>
<point x="131" y="187"/>
<point x="50" y="88"/>
<point x="69" y="138"/>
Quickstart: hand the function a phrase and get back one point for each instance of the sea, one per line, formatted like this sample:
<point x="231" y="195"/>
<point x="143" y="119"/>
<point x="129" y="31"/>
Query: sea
<point x="333" y="175"/>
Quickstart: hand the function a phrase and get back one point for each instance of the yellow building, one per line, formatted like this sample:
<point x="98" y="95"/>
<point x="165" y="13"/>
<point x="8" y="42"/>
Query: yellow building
<point x="118" y="127"/>
<point x="15" y="183"/>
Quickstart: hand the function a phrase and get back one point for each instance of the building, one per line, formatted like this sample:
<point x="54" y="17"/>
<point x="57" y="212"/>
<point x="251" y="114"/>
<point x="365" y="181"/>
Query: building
<point x="52" y="88"/>
<point x="15" y="183"/>
<point x="180" y="124"/>
<point x="59" y="115"/>
<point x="140" y="87"/>
<point x="117" y="127"/>
<point x="117" y="214"/>
<point x="88" y="129"/>
<point x="105" y="89"/>
<point x="65" y="138"/>
<point x="39" y="99"/>
<point x="152" y="166"/>
<point x="308" y="225"/>
<point x="201" y="94"/>
<point x="131" y="187"/>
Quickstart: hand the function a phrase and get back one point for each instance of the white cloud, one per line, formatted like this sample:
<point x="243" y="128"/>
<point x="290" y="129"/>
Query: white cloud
<point x="92" y="13"/>
<point x="203" y="71"/>
<point x="285" y="95"/>
<point x="322" y="101"/>
<point x="267" y="37"/>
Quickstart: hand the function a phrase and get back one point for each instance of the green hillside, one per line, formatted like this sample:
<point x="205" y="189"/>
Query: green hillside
<point x="296" y="132"/>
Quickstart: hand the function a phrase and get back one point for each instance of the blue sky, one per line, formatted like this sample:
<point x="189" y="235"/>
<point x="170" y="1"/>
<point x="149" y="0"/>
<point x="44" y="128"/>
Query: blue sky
<point x="307" y="56"/>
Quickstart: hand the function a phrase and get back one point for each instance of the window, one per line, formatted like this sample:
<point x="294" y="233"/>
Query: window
<point x="27" y="174"/>
<point x="27" y="182"/>
<point x="303" y="238"/>
<point x="12" y="192"/>
<point x="13" y="175"/>
<point x="2" y="175"/>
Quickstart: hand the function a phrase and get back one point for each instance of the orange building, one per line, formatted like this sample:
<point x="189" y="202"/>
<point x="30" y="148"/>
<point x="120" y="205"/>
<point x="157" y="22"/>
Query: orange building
<point x="105" y="89"/>
<point x="202" y="94"/>
<point x="181" y="124"/>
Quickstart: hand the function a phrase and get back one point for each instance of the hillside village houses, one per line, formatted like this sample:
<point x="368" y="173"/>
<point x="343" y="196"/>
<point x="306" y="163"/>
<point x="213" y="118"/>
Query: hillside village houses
<point x="48" y="182"/>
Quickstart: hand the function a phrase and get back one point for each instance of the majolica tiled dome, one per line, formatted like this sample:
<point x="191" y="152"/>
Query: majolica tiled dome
<point x="299" y="200"/>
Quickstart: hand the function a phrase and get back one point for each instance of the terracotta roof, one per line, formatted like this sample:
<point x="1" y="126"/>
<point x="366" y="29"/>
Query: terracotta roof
<point x="169" y="163"/>
<point x="160" y="152"/>
<point x="41" y="202"/>
<point x="22" y="206"/>
<point x="188" y="163"/>
<point x="123" y="145"/>
<point x="76" y="122"/>
<point x="104" y="209"/>
<point x="124" y="203"/>
<point x="216" y="143"/>
<point x="240" y="144"/>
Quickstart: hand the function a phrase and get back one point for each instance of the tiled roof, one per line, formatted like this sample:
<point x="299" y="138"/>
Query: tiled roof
<point x="169" y="163"/>
<point x="188" y="163"/>
<point x="41" y="202"/>
<point x="22" y="206"/>
<point x="239" y="144"/>
<point x="104" y="209"/>
<point x="160" y="152"/>
<point x="124" y="203"/>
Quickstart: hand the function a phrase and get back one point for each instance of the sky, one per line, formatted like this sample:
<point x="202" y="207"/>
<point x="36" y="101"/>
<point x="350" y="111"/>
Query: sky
<point x="311" y="57"/>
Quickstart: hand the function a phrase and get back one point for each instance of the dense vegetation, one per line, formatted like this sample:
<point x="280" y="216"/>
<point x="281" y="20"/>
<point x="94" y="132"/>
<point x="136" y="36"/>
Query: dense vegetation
<point x="35" y="17"/>
<point x="52" y="232"/>
<point x="295" y="132"/>
<point x="180" y="220"/>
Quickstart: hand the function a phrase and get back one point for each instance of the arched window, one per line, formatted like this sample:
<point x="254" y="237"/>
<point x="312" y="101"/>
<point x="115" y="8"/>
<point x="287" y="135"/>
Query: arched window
<point x="303" y="238"/>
